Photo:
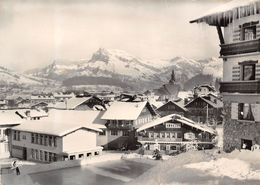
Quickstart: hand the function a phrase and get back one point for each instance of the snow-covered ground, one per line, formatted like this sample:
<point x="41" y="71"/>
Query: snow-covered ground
<point x="205" y="168"/>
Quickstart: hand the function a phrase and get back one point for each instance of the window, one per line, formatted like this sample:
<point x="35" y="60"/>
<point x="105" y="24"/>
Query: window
<point x="248" y="72"/>
<point x="245" y="112"/>
<point x="41" y="156"/>
<point x="81" y="156"/>
<point x="24" y="137"/>
<point x="55" y="141"/>
<point x="173" y="147"/>
<point x="36" y="155"/>
<point x="36" y="138"/>
<point x="125" y="133"/>
<point x="50" y="140"/>
<point x="114" y="133"/>
<point x="32" y="137"/>
<point x="46" y="156"/>
<point x="14" y="135"/>
<point x="32" y="154"/>
<point x="41" y="139"/>
<point x="179" y="135"/>
<point x="249" y="33"/>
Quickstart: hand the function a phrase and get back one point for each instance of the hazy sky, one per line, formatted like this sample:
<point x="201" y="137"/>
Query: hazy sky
<point x="35" y="32"/>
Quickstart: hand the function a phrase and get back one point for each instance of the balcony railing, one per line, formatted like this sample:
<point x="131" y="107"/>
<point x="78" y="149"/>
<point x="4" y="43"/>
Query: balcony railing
<point x="140" y="138"/>
<point x="120" y="126"/>
<point x="242" y="47"/>
<point x="252" y="86"/>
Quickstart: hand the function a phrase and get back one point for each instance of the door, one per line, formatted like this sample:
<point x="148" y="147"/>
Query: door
<point x="24" y="153"/>
<point x="246" y="144"/>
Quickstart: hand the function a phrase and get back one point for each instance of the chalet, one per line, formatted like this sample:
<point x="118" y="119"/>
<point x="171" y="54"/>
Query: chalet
<point x="7" y="120"/>
<point x="84" y="103"/>
<point x="122" y="119"/>
<point x="40" y="105"/>
<point x="38" y="98"/>
<point x="60" y="96"/>
<point x="205" y="109"/>
<point x="172" y="107"/>
<point x="239" y="49"/>
<point x="203" y="90"/>
<point x="173" y="133"/>
<point x="64" y="135"/>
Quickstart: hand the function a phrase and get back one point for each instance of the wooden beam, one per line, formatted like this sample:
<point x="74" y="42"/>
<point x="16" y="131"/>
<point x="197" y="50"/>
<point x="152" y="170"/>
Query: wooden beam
<point x="220" y="35"/>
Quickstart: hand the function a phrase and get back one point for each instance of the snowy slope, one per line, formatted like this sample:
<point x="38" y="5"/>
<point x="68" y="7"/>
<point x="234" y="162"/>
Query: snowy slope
<point x="11" y="77"/>
<point x="120" y="65"/>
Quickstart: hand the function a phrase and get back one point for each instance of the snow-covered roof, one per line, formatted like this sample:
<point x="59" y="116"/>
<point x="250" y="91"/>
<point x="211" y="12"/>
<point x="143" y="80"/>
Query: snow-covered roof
<point x="38" y="113"/>
<point x="177" y="104"/>
<point x="71" y="103"/>
<point x="178" y="118"/>
<point x="224" y="14"/>
<point x="157" y="104"/>
<point x="61" y="122"/>
<point x="218" y="104"/>
<point x="124" y="110"/>
<point x="9" y="118"/>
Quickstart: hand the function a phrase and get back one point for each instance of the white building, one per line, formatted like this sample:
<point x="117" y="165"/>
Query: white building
<point x="63" y="135"/>
<point x="7" y="120"/>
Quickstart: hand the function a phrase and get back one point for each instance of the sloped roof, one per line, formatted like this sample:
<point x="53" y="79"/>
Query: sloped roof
<point x="124" y="110"/>
<point x="224" y="14"/>
<point x="9" y="118"/>
<point x="178" y="118"/>
<point x="175" y="103"/>
<point x="71" y="103"/>
<point x="38" y="113"/>
<point x="62" y="122"/>
<point x="219" y="103"/>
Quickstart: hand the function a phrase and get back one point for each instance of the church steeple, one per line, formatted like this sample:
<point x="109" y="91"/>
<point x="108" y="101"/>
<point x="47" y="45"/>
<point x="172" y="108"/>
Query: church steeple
<point x="172" y="80"/>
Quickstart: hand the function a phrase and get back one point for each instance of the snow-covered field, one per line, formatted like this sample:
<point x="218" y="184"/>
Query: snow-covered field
<point x="205" y="168"/>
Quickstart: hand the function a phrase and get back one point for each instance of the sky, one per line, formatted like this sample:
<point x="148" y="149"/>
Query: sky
<point x="34" y="33"/>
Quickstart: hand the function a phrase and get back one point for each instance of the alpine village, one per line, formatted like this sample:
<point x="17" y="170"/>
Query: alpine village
<point x="45" y="129"/>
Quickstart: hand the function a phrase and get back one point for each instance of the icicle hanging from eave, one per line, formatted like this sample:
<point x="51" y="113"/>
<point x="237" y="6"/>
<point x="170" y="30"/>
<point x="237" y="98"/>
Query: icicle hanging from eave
<point x="223" y="18"/>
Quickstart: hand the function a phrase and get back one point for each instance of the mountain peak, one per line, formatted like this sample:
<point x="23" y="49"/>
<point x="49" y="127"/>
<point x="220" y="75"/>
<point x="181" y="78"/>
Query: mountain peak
<point x="101" y="54"/>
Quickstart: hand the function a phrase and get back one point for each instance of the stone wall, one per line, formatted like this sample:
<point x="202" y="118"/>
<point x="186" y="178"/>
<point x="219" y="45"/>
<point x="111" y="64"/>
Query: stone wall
<point x="235" y="130"/>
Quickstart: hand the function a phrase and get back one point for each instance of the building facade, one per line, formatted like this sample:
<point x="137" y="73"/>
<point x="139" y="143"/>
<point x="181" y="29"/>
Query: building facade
<point x="174" y="133"/>
<point x="241" y="71"/>
<point x="122" y="120"/>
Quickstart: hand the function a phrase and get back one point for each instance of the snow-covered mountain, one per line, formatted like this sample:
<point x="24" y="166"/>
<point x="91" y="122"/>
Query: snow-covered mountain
<point x="122" y="67"/>
<point x="9" y="77"/>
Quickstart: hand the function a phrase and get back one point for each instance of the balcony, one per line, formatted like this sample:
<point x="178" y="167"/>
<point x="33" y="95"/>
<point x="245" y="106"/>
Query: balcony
<point x="159" y="140"/>
<point x="120" y="126"/>
<point x="252" y="86"/>
<point x="242" y="47"/>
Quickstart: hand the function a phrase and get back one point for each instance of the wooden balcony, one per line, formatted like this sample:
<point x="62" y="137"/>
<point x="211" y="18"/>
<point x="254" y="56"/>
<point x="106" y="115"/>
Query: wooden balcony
<point x="242" y="47"/>
<point x="120" y="126"/>
<point x="252" y="86"/>
<point x="159" y="140"/>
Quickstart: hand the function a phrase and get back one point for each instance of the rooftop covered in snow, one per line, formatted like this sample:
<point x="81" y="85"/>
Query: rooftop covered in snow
<point x="226" y="13"/>
<point x="61" y="122"/>
<point x="126" y="110"/>
<point x="178" y="118"/>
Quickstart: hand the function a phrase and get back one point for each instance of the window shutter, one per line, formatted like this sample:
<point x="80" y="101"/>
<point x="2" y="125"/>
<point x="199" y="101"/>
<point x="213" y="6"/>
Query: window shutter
<point x="256" y="112"/>
<point x="257" y="72"/>
<point x="234" y="111"/>
<point x="168" y="147"/>
<point x="236" y="73"/>
<point x="237" y="35"/>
